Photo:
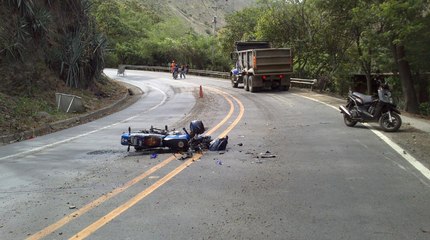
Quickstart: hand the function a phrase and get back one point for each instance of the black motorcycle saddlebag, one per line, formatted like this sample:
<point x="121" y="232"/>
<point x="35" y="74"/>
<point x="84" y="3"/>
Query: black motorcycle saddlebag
<point x="219" y="144"/>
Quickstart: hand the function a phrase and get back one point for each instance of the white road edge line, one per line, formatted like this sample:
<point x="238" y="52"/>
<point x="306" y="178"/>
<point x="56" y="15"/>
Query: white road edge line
<point x="88" y="133"/>
<point x="414" y="162"/>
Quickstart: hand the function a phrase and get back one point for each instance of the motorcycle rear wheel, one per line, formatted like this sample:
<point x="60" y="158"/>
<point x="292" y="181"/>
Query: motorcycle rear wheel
<point x="348" y="121"/>
<point x="388" y="126"/>
<point x="234" y="82"/>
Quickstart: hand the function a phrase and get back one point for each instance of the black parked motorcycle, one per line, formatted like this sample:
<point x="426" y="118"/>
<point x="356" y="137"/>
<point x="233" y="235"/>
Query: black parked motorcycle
<point x="365" y="108"/>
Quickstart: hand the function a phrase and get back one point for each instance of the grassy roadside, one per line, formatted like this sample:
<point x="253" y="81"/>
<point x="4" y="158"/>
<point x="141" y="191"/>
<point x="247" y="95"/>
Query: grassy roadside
<point x="20" y="113"/>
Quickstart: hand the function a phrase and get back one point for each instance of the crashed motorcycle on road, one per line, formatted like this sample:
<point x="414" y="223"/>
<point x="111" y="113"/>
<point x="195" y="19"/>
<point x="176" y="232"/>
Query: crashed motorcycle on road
<point x="365" y="108"/>
<point x="155" y="138"/>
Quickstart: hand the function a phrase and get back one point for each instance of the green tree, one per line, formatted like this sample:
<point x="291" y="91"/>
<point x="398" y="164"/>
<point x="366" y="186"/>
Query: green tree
<point x="357" y="23"/>
<point x="318" y="47"/>
<point x="240" y="26"/>
<point x="126" y="25"/>
<point x="404" y="22"/>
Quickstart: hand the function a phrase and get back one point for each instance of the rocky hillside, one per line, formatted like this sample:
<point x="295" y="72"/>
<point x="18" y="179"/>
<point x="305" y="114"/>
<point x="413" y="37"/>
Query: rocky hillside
<point x="200" y="13"/>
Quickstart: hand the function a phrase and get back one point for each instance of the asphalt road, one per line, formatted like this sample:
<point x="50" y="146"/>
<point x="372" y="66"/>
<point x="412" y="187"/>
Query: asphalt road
<point x="322" y="180"/>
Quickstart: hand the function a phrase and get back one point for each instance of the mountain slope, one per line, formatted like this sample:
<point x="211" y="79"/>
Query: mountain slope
<point x="199" y="14"/>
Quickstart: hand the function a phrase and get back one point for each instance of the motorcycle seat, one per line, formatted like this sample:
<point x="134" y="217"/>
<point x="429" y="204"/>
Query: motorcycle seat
<point x="363" y="97"/>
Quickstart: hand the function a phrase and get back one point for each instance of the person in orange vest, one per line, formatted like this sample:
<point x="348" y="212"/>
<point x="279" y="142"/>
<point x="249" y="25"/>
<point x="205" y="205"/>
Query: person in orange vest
<point x="172" y="66"/>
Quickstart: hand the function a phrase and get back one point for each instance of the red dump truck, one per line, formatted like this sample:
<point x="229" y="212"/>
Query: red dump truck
<point x="259" y="66"/>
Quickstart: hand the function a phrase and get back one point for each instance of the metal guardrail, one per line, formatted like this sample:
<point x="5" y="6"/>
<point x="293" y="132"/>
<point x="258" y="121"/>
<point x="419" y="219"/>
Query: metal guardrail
<point x="167" y="69"/>
<point x="310" y="82"/>
<point x="226" y="75"/>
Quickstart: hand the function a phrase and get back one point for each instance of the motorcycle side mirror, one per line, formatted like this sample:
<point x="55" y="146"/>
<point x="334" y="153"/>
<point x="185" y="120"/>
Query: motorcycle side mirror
<point x="385" y="86"/>
<point x="129" y="132"/>
<point x="185" y="130"/>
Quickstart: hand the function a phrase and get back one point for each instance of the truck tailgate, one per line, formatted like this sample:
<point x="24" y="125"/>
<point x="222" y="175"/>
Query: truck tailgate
<point x="273" y="61"/>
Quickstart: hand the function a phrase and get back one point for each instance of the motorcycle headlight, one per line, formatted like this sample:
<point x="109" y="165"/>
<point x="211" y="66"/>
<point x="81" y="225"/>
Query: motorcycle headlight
<point x="389" y="97"/>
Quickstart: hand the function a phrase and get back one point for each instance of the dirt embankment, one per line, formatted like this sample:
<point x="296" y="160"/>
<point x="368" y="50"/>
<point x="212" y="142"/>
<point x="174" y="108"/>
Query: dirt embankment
<point x="27" y="117"/>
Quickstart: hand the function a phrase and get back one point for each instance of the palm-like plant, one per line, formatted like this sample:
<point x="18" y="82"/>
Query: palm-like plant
<point x="40" y="22"/>
<point x="12" y="41"/>
<point x="72" y="59"/>
<point x="70" y="46"/>
<point x="25" y="7"/>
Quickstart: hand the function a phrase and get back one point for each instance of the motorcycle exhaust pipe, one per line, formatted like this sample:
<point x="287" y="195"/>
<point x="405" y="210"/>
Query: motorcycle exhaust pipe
<point x="344" y="110"/>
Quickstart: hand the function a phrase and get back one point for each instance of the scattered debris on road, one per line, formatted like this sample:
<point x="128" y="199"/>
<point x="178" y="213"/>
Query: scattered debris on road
<point x="267" y="154"/>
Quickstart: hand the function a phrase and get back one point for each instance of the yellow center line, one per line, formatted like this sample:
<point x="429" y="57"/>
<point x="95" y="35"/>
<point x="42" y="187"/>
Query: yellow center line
<point x="124" y="207"/>
<point x="236" y="121"/>
<point x="241" y="110"/>
<point x="63" y="221"/>
<point x="225" y="119"/>
<point x="51" y="228"/>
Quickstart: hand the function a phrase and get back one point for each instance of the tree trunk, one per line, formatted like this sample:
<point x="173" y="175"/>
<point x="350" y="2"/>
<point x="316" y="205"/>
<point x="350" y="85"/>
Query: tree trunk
<point x="423" y="86"/>
<point x="409" y="93"/>
<point x="369" y="82"/>
<point x="366" y="66"/>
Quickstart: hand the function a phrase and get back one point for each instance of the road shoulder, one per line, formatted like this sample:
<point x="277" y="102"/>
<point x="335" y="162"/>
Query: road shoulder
<point x="413" y="136"/>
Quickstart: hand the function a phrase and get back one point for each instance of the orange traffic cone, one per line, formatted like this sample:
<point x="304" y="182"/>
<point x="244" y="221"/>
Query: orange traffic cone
<point x="201" y="91"/>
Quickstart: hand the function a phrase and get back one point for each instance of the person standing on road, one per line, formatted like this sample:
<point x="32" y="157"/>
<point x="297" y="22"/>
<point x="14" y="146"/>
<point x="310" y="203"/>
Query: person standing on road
<point x="175" y="71"/>
<point x="172" y="66"/>
<point x="182" y="71"/>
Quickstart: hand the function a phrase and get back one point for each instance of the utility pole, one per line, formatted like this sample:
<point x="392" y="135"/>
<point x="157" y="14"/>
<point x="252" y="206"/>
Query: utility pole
<point x="216" y="7"/>
<point x="214" y="22"/>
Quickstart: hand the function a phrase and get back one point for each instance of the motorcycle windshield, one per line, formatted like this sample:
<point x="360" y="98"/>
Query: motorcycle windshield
<point x="385" y="96"/>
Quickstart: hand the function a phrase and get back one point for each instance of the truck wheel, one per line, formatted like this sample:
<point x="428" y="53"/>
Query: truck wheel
<point x="246" y="83"/>
<point x="286" y="88"/>
<point x="233" y="79"/>
<point x="251" y="84"/>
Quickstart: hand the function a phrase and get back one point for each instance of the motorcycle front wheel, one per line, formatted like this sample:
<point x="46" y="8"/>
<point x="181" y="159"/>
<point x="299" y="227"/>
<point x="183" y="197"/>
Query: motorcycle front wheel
<point x="390" y="126"/>
<point x="348" y="121"/>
